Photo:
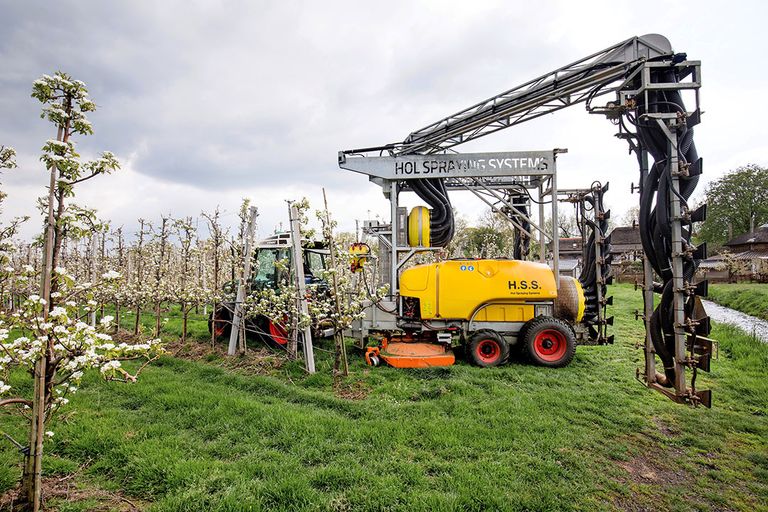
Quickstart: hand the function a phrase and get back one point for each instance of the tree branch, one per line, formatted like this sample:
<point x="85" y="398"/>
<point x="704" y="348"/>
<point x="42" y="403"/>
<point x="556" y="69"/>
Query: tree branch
<point x="70" y="183"/>
<point x="11" y="401"/>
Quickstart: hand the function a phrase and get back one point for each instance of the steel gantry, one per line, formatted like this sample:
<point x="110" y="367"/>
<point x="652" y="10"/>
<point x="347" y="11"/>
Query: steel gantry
<point x="647" y="80"/>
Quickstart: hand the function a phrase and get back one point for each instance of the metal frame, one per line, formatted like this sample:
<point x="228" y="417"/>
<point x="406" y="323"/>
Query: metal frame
<point x="579" y="198"/>
<point x="574" y="83"/>
<point x="684" y="327"/>
<point x="484" y="182"/>
<point x="614" y="69"/>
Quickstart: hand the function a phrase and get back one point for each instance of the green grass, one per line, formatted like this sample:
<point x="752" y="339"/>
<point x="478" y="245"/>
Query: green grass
<point x="170" y="316"/>
<point x="749" y="298"/>
<point x="195" y="436"/>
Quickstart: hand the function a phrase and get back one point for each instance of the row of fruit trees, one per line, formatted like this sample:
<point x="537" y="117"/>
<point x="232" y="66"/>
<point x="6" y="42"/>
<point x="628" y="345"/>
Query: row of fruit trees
<point x="65" y="294"/>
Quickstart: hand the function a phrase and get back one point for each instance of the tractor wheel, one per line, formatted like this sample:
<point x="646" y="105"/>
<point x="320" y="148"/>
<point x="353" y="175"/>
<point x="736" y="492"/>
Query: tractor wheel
<point x="220" y="322"/>
<point x="549" y="342"/>
<point x="488" y="348"/>
<point x="272" y="333"/>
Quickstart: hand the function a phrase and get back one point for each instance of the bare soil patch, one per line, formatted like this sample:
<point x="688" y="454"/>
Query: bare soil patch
<point x="65" y="489"/>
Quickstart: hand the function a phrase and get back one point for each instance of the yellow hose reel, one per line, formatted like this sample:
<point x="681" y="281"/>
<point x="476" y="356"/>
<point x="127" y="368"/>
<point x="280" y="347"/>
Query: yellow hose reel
<point x="418" y="227"/>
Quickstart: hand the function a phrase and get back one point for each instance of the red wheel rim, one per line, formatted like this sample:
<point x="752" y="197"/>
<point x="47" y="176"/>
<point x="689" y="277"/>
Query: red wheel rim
<point x="218" y="328"/>
<point x="488" y="351"/>
<point x="550" y="345"/>
<point x="277" y="333"/>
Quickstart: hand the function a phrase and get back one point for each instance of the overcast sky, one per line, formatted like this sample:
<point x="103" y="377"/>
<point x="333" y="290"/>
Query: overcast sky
<point x="207" y="102"/>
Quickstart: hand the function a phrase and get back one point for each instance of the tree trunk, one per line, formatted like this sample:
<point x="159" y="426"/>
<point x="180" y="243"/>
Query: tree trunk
<point x="185" y="313"/>
<point x="117" y="316"/>
<point x="157" y="319"/>
<point x="137" y="322"/>
<point x="213" y="326"/>
<point x="31" y="483"/>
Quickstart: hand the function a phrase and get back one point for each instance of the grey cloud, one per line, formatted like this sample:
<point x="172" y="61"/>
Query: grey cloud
<point x="239" y="95"/>
<point x="205" y="96"/>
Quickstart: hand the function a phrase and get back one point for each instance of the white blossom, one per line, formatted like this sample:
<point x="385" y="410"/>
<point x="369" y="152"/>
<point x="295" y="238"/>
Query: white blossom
<point x="110" y="366"/>
<point x="111" y="275"/>
<point x="57" y="312"/>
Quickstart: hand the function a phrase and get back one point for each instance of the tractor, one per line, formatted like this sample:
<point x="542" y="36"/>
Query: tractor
<point x="268" y="273"/>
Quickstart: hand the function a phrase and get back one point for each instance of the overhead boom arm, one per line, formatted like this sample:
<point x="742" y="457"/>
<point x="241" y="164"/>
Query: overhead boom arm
<point x="563" y="87"/>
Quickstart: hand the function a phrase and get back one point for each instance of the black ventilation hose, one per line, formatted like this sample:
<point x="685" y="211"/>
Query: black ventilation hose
<point x="593" y="285"/>
<point x="655" y="216"/>
<point x="522" y="239"/>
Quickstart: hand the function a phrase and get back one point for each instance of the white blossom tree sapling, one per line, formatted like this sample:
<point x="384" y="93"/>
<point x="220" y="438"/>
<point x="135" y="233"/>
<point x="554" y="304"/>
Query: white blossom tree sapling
<point x="160" y="256"/>
<point x="217" y="238"/>
<point x="137" y="290"/>
<point x="51" y="337"/>
<point x="186" y="290"/>
<point x="7" y="245"/>
<point x="68" y="345"/>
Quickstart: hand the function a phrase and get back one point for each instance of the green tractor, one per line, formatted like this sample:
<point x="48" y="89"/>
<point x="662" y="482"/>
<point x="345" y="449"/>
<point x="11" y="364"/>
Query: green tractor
<point x="267" y="273"/>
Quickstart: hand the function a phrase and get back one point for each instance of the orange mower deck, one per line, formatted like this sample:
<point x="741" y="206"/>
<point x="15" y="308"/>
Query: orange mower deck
<point x="413" y="354"/>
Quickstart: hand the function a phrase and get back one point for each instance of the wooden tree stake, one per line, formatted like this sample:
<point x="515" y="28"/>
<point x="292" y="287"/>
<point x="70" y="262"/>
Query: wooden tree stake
<point x="235" y="331"/>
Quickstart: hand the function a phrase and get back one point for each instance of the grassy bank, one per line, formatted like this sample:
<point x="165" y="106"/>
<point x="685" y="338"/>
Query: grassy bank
<point x="749" y="298"/>
<point x="197" y="436"/>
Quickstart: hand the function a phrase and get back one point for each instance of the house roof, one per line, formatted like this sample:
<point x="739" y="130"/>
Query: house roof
<point x="571" y="244"/>
<point x="752" y="255"/>
<point x="568" y="264"/>
<point x="568" y="245"/>
<point x="759" y="236"/>
<point x="743" y="255"/>
<point x="625" y="235"/>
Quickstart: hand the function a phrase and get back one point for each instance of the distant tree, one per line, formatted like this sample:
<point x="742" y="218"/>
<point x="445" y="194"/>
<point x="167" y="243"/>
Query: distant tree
<point x="486" y="242"/>
<point x="736" y="204"/>
<point x="631" y="216"/>
<point x="160" y="256"/>
<point x="566" y="224"/>
<point x="216" y="243"/>
<point x="187" y="290"/>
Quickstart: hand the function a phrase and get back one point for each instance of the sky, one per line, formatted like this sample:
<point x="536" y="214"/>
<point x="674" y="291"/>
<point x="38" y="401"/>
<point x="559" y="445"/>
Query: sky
<point x="208" y="102"/>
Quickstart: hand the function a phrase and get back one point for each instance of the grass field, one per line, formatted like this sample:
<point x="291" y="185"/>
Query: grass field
<point x="749" y="298"/>
<point x="200" y="435"/>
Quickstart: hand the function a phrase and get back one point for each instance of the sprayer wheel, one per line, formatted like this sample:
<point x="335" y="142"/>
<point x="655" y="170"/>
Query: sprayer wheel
<point x="487" y="348"/>
<point x="549" y="342"/>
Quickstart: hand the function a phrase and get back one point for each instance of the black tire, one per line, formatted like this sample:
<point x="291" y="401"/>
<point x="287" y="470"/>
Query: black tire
<point x="265" y="328"/>
<point x="220" y="320"/>
<point x="518" y="350"/>
<point x="487" y="348"/>
<point x="549" y="342"/>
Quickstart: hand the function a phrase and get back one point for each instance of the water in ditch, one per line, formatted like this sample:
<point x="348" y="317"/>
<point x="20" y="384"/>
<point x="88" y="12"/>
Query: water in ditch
<point x="750" y="324"/>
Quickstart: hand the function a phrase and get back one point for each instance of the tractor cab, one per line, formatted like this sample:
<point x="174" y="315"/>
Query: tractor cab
<point x="272" y="261"/>
<point x="271" y="270"/>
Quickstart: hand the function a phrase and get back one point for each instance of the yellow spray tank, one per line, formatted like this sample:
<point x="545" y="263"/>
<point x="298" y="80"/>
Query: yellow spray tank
<point x="490" y="290"/>
<point x="491" y="304"/>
